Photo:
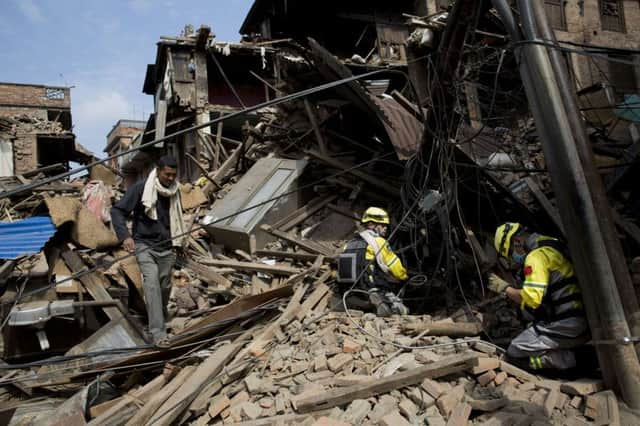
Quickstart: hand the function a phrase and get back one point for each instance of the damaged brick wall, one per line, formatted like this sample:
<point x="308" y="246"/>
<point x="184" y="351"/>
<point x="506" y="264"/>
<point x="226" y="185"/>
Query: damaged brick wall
<point x="12" y="94"/>
<point x="25" y="153"/>
<point x="584" y="25"/>
<point x="10" y="111"/>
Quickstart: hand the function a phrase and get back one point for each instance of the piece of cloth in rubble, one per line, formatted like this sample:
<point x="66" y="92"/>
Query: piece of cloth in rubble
<point x="96" y="196"/>
<point x="153" y="188"/>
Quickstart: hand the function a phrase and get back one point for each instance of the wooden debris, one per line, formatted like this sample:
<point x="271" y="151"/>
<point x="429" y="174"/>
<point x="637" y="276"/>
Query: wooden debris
<point x="459" y="415"/>
<point x="451" y="329"/>
<point x="602" y="407"/>
<point x="483" y="364"/>
<point x="335" y="397"/>
<point x="394" y="419"/>
<point x="183" y="396"/>
<point x="582" y="387"/>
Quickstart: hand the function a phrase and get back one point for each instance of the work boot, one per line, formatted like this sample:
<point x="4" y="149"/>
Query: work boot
<point x="397" y="307"/>
<point x="382" y="308"/>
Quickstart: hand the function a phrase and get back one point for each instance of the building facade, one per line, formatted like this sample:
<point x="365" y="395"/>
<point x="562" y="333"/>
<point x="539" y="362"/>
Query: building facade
<point x="120" y="137"/>
<point x="36" y="128"/>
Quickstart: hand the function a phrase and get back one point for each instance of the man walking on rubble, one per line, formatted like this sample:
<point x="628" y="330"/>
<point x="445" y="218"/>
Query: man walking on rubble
<point x="157" y="227"/>
<point x="550" y="298"/>
<point x="368" y="262"/>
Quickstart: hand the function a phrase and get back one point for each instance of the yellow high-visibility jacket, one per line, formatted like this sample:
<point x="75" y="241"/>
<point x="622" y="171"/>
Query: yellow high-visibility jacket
<point x="396" y="269"/>
<point x="549" y="278"/>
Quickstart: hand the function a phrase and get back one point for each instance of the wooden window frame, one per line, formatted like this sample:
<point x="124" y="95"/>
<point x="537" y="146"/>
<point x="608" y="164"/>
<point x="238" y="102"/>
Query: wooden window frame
<point x="563" y="17"/>
<point x="606" y="24"/>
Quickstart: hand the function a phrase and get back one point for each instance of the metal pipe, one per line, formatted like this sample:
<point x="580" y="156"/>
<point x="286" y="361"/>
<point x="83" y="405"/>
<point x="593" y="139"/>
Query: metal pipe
<point x="590" y="302"/>
<point x="612" y="242"/>
<point x="578" y="208"/>
<point x="504" y="10"/>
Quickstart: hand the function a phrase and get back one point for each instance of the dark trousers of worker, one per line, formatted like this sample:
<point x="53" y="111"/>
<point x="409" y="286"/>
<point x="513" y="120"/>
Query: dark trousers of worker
<point x="155" y="266"/>
<point x="549" y="345"/>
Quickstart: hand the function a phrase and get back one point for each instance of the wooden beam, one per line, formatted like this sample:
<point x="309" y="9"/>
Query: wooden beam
<point x="218" y="144"/>
<point x="551" y="210"/>
<point x="158" y="399"/>
<point x="316" y="129"/>
<point x="226" y="167"/>
<point x="252" y="266"/>
<point x="203" y="36"/>
<point x="189" y="390"/>
<point x="408" y="105"/>
<point x="207" y="274"/>
<point x="341" y="396"/>
<point x="453" y="329"/>
<point x="377" y="183"/>
<point x="320" y="291"/>
<point x="256" y="348"/>
<point x="294" y="255"/>
<point x="202" y="85"/>
<point x="308" y="245"/>
<point x="122" y="411"/>
<point x="303" y="213"/>
<point x="90" y="281"/>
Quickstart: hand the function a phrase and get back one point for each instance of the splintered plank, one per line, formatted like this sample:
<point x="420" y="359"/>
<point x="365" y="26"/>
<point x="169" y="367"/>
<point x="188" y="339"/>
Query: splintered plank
<point x="305" y="257"/>
<point x="252" y="266"/>
<point x="452" y="329"/>
<point x="90" y="281"/>
<point x="308" y="245"/>
<point x="303" y="213"/>
<point x="374" y="182"/>
<point x="340" y="396"/>
<point x="173" y="407"/>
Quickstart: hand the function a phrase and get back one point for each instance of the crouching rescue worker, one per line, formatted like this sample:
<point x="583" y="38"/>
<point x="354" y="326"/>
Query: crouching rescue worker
<point x="368" y="263"/>
<point x="550" y="299"/>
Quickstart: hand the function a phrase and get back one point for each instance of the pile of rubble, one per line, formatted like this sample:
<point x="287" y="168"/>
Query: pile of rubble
<point x="258" y="332"/>
<point x="309" y="366"/>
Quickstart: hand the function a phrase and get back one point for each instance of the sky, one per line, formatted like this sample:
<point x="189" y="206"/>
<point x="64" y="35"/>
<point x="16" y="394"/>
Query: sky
<point x="101" y="49"/>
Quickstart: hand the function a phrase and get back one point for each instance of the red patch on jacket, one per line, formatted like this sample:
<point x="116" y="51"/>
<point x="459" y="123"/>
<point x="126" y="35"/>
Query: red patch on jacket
<point x="528" y="270"/>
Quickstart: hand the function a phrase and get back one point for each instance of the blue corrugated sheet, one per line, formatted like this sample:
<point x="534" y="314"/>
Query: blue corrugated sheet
<point x="25" y="237"/>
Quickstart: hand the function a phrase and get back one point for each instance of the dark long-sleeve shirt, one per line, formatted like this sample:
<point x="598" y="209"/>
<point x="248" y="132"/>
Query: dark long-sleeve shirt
<point x="145" y="230"/>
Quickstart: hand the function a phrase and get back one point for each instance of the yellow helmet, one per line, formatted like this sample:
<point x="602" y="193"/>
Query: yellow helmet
<point x="375" y="214"/>
<point x="502" y="239"/>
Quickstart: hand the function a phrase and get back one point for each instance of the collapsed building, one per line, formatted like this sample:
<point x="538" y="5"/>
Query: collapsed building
<point x="37" y="129"/>
<point x="281" y="146"/>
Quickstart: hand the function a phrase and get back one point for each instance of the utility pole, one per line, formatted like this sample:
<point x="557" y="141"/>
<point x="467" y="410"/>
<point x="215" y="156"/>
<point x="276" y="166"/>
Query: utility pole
<point x="582" y="203"/>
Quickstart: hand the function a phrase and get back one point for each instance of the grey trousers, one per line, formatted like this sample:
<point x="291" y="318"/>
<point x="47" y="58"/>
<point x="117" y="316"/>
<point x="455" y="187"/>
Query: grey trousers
<point x="155" y="266"/>
<point x="550" y="345"/>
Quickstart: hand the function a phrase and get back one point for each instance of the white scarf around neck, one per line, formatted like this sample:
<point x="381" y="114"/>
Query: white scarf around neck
<point x="153" y="187"/>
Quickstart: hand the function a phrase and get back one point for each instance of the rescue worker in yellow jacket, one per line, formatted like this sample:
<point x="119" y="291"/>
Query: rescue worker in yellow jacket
<point x="550" y="298"/>
<point x="369" y="263"/>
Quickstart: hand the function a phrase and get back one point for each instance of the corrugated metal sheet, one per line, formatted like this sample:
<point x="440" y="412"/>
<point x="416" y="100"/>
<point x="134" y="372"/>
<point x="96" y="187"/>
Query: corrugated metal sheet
<point x="404" y="130"/>
<point x="25" y="237"/>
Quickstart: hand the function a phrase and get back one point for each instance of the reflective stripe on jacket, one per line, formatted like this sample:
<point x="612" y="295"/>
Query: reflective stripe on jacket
<point x="550" y="290"/>
<point x="393" y="263"/>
